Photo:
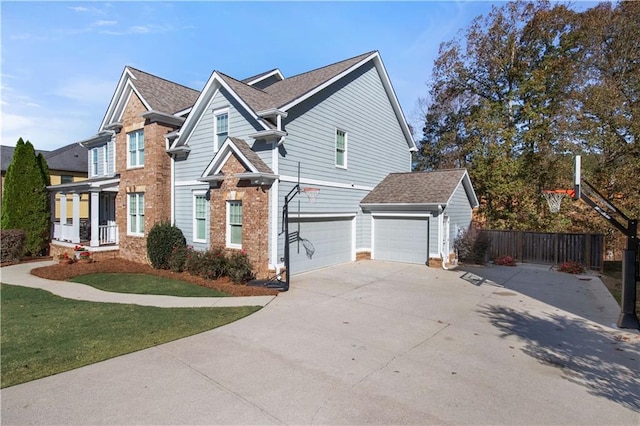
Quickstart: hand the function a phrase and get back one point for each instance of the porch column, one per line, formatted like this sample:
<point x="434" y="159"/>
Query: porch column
<point x="63" y="209"/>
<point x="52" y="202"/>
<point x="75" y="224"/>
<point x="95" y="219"/>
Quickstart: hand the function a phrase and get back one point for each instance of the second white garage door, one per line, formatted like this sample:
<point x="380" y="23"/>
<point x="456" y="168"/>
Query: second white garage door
<point x="401" y="239"/>
<point x="332" y="240"/>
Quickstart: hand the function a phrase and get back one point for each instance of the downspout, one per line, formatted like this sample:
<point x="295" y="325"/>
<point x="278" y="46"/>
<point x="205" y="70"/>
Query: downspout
<point x="440" y="236"/>
<point x="274" y="197"/>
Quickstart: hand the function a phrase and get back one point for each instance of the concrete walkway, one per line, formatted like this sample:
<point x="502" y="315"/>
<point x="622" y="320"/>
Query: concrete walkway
<point x="371" y="343"/>
<point x="20" y="275"/>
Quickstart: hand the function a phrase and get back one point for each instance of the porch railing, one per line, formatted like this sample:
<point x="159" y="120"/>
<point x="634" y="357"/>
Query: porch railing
<point x="62" y="232"/>
<point x="108" y="234"/>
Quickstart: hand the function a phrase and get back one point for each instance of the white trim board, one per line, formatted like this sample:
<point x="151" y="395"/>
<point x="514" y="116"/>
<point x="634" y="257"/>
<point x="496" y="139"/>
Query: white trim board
<point x="306" y="181"/>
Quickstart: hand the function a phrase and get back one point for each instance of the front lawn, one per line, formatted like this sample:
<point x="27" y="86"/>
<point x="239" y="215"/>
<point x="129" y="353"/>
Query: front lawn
<point x="146" y="284"/>
<point x="43" y="334"/>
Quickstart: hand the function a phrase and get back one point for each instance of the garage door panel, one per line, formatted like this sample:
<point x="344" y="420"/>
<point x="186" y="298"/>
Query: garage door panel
<point x="331" y="240"/>
<point x="401" y="239"/>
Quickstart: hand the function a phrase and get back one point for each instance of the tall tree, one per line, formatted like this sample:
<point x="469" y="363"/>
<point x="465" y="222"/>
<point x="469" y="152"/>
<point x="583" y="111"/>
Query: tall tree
<point x="25" y="202"/>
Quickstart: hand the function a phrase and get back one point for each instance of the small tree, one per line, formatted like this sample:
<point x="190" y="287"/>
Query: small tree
<point x="161" y="242"/>
<point x="26" y="200"/>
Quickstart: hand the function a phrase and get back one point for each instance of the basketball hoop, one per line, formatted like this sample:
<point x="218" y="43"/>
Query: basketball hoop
<point x="554" y="198"/>
<point x="311" y="193"/>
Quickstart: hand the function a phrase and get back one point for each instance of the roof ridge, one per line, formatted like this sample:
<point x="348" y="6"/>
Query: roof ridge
<point x="162" y="78"/>
<point x="243" y="83"/>
<point x="330" y="65"/>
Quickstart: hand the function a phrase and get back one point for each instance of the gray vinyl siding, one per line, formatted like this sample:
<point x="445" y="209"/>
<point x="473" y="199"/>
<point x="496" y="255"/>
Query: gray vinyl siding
<point x="109" y="163"/>
<point x="363" y="231"/>
<point x="201" y="141"/>
<point x="184" y="214"/>
<point x="459" y="211"/>
<point x="358" y="105"/>
<point x="434" y="242"/>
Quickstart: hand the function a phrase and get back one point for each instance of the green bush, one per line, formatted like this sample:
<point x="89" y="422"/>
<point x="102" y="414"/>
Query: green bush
<point x="472" y="245"/>
<point x="161" y="242"/>
<point x="239" y="268"/>
<point x="210" y="264"/>
<point x="179" y="258"/>
<point x="12" y="244"/>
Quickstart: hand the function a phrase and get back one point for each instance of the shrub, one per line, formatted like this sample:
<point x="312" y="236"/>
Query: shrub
<point x="178" y="258"/>
<point x="12" y="244"/>
<point x="210" y="264"/>
<point x="504" y="261"/>
<point x="472" y="245"/>
<point x="571" y="268"/>
<point x="239" y="267"/>
<point x="161" y="241"/>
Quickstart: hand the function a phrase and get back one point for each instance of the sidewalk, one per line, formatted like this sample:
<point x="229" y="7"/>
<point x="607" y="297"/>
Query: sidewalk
<point x="20" y="275"/>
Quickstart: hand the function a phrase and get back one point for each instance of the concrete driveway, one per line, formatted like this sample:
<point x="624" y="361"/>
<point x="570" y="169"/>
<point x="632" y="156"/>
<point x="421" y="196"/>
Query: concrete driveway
<point x="372" y="342"/>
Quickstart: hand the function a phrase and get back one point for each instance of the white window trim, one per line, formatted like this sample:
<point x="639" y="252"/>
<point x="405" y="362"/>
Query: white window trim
<point x="335" y="147"/>
<point x="129" y="232"/>
<point x="137" y="166"/>
<point x="199" y="193"/>
<point x="228" y="227"/>
<point x="216" y="113"/>
<point x="105" y="163"/>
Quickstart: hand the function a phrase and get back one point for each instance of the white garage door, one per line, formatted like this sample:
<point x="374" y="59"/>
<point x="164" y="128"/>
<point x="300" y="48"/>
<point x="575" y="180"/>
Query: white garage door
<point x="331" y="239"/>
<point x="401" y="239"/>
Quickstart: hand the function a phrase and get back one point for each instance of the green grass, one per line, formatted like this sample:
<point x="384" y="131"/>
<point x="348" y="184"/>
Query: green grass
<point x="612" y="279"/>
<point x="146" y="284"/>
<point x="43" y="334"/>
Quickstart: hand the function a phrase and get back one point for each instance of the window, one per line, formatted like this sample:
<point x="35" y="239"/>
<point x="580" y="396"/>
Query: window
<point x="94" y="162"/>
<point x="200" y="217"/>
<point x="341" y="148"/>
<point x="221" y="119"/>
<point x="234" y="224"/>
<point x="135" y="207"/>
<point x="66" y="179"/>
<point x="135" y="153"/>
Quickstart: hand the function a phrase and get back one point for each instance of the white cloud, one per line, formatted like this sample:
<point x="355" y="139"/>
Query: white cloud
<point x="104" y="23"/>
<point x="140" y="29"/>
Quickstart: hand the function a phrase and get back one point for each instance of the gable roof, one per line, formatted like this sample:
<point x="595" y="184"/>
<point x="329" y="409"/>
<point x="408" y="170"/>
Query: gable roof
<point x="433" y="188"/>
<point x="155" y="93"/>
<point x="287" y="93"/>
<point x="69" y="158"/>
<point x="248" y="157"/>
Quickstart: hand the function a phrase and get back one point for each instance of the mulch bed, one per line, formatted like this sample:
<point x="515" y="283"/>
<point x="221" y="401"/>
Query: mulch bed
<point x="63" y="272"/>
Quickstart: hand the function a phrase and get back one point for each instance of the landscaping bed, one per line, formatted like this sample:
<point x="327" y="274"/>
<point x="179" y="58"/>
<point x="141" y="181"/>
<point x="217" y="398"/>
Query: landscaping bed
<point x="64" y="272"/>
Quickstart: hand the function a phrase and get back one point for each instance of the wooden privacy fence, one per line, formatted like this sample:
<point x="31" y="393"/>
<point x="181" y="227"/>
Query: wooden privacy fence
<point x="548" y="248"/>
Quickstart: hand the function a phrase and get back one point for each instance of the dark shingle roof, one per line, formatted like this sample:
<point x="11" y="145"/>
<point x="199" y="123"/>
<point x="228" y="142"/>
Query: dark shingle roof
<point x="163" y="95"/>
<point x="251" y="155"/>
<point x="416" y="188"/>
<point x="69" y="158"/>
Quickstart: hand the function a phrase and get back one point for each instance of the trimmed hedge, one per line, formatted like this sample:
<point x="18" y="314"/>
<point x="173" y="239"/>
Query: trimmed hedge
<point x="12" y="244"/>
<point x="162" y="240"/>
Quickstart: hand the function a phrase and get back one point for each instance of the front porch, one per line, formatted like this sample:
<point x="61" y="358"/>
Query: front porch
<point x="100" y="228"/>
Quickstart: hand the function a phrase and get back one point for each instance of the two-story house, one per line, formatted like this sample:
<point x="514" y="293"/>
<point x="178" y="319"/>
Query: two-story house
<point x="219" y="163"/>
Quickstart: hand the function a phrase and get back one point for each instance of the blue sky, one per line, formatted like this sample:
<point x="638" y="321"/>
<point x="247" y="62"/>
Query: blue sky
<point x="61" y="61"/>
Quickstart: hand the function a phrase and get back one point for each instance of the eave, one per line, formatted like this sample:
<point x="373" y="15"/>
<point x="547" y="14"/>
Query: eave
<point x="101" y="138"/>
<point x="164" y="118"/>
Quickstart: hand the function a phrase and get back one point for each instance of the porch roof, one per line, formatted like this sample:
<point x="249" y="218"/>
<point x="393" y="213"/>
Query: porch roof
<point x="99" y="184"/>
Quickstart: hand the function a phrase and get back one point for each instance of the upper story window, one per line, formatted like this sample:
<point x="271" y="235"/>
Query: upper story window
<point x="234" y="224"/>
<point x="341" y="148"/>
<point x="135" y="148"/>
<point x="221" y="123"/>
<point x="66" y="179"/>
<point x="94" y="162"/>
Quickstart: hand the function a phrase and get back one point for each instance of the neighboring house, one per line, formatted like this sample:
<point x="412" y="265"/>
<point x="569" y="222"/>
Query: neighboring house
<point x="218" y="163"/>
<point x="417" y="216"/>
<point x="67" y="164"/>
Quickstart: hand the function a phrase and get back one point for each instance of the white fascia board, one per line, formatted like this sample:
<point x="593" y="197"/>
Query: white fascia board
<point x="126" y="74"/>
<point x="465" y="181"/>
<point x="264" y="77"/>
<point x="163" y="118"/>
<point x="122" y="100"/>
<point x="271" y="133"/>
<point x="242" y="102"/>
<point x="401" y="214"/>
<point x="319" y="88"/>
<point x="379" y="207"/>
<point x="386" y="82"/>
<point x="217" y="178"/>
<point x="272" y="112"/>
<point x="221" y="157"/>
<point x="179" y="150"/>
<point x="100" y="138"/>
<point x="183" y="112"/>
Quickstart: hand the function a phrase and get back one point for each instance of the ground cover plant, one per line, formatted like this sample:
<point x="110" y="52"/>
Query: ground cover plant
<point x="64" y="272"/>
<point x="43" y="334"/>
<point x="146" y="284"/>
